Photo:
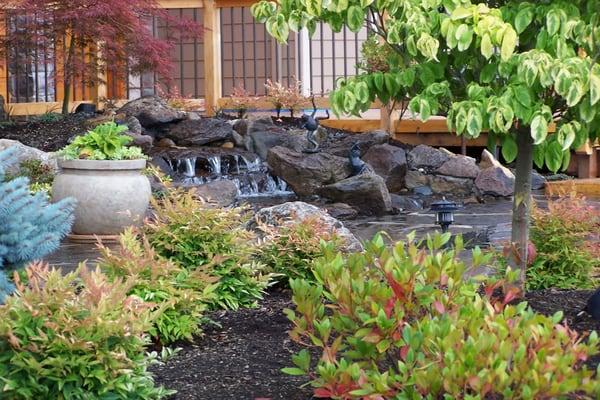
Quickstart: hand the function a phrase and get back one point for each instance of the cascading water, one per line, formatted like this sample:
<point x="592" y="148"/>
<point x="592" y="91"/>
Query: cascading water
<point x="250" y="175"/>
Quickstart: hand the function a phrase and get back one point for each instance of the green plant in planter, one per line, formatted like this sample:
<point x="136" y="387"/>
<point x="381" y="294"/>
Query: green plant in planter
<point x="403" y="322"/>
<point x="104" y="142"/>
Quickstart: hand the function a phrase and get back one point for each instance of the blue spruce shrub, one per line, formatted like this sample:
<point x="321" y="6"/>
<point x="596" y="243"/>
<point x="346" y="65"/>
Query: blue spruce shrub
<point x="30" y="227"/>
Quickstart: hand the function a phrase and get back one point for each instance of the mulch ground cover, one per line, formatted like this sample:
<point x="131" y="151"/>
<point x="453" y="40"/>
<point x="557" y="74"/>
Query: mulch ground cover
<point x="45" y="135"/>
<point x="241" y="359"/>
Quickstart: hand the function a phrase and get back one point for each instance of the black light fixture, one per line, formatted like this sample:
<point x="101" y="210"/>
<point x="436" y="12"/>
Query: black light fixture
<point x="444" y="210"/>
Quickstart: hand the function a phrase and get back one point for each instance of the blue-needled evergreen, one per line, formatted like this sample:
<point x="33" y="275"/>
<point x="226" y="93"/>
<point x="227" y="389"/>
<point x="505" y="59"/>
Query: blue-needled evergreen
<point x="30" y="226"/>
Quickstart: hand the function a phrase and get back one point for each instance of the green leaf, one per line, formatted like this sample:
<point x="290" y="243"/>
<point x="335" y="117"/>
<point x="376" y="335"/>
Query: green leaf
<point x="509" y="42"/>
<point x="553" y="156"/>
<point x="552" y="22"/>
<point x="379" y="81"/>
<point x="509" y="149"/>
<point x="349" y="101"/>
<point x="461" y="121"/>
<point x="391" y="84"/>
<point x="424" y="109"/>
<point x="361" y="91"/>
<point x="575" y="93"/>
<point x="355" y="18"/>
<point x="539" y="129"/>
<point x="595" y="86"/>
<point x="566" y="136"/>
<point x="487" y="48"/>
<point x="523" y="19"/>
<point x="461" y="13"/>
<point x="488" y="73"/>
<point x="586" y="111"/>
<point x="293" y="371"/>
<point x="522" y="95"/>
<point x="538" y="155"/>
<point x="474" y="122"/>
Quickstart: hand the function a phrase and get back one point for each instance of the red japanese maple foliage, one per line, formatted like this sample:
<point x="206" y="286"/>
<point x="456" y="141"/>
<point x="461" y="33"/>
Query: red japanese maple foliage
<point x="91" y="36"/>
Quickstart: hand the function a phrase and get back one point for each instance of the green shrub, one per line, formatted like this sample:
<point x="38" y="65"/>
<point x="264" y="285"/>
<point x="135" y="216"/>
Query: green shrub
<point x="40" y="175"/>
<point x="104" y="142"/>
<point x="179" y="295"/>
<point x="290" y="250"/>
<point x="211" y="240"/>
<point x="76" y="336"/>
<point x="404" y="323"/>
<point x="567" y="254"/>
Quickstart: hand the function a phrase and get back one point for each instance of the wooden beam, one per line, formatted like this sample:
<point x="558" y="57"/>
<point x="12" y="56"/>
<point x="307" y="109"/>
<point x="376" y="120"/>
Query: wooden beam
<point x="181" y="3"/>
<point x="29" y="109"/>
<point x="585" y="187"/>
<point x="234" y="3"/>
<point x="212" y="56"/>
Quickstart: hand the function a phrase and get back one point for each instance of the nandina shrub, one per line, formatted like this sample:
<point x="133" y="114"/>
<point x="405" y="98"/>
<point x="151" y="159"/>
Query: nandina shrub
<point x="180" y="296"/>
<point x="288" y="97"/>
<point x="198" y="237"/>
<point x="289" y="250"/>
<point x="403" y="322"/>
<point x="567" y="244"/>
<point x="74" y="336"/>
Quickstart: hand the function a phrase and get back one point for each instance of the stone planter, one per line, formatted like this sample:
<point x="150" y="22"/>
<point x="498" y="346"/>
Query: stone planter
<point x="111" y="195"/>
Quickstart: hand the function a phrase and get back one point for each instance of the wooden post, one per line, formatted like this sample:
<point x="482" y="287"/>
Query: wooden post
<point x="212" y="56"/>
<point x="387" y="123"/>
<point x="3" y="63"/>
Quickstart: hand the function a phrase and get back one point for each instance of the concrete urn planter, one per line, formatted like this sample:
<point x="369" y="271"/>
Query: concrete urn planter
<point x="111" y="195"/>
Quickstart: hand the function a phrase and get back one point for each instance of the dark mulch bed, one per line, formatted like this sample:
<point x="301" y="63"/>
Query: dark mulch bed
<point x="241" y="360"/>
<point x="45" y="135"/>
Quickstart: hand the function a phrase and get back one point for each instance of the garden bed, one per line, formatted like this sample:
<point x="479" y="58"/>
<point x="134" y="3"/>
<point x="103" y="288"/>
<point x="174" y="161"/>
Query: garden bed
<point x="242" y="358"/>
<point x="50" y="135"/>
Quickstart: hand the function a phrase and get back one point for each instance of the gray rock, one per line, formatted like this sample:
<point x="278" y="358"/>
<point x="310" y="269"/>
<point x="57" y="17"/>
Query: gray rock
<point x="193" y="115"/>
<point x="341" y="211"/>
<point x="238" y="139"/>
<point x="133" y="125"/>
<point x="240" y="126"/>
<point x="495" y="181"/>
<point x="365" y="141"/>
<point x="256" y="124"/>
<point x="423" y="191"/>
<point x="151" y="111"/>
<point x="537" y="180"/>
<point x="200" y="132"/>
<point x="221" y="193"/>
<point x="145" y="142"/>
<point x="406" y="203"/>
<point x="488" y="160"/>
<point x="427" y="157"/>
<point x="389" y="162"/>
<point x="264" y="135"/>
<point x="450" y="185"/>
<point x="558" y="177"/>
<point x="459" y="166"/>
<point x="366" y="192"/>
<point x="290" y="213"/>
<point x="415" y="179"/>
<point x="304" y="173"/>
<point x="24" y="153"/>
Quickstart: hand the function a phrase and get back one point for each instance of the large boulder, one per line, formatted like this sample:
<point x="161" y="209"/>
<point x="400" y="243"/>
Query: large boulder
<point x="459" y="166"/>
<point x="222" y="193"/>
<point x="341" y="147"/>
<point x="365" y="192"/>
<point x="495" y="181"/>
<point x="537" y="180"/>
<point x="415" y="179"/>
<point x="389" y="162"/>
<point x="427" y="157"/>
<point x="406" y="203"/>
<point x="304" y="173"/>
<point x="151" y="111"/>
<point x="450" y="185"/>
<point x="200" y="132"/>
<point x="263" y="135"/>
<point x="291" y="213"/>
<point x="24" y="153"/>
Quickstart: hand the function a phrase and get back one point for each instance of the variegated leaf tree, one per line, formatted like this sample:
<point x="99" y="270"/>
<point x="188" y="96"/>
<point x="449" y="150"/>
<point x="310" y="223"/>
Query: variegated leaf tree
<point x="512" y="68"/>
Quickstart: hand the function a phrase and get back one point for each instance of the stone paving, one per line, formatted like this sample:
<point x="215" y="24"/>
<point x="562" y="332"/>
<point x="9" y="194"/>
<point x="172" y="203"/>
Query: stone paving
<point x="486" y="224"/>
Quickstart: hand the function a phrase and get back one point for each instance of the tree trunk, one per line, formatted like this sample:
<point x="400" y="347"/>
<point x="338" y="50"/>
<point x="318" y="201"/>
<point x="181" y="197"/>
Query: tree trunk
<point x="68" y="77"/>
<point x="521" y="204"/>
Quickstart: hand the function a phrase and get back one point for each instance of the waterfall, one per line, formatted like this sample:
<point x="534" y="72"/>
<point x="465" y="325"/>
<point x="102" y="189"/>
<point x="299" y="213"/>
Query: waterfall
<point x="249" y="175"/>
<point x="190" y="167"/>
<point x="215" y="165"/>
